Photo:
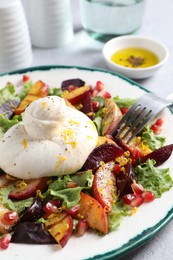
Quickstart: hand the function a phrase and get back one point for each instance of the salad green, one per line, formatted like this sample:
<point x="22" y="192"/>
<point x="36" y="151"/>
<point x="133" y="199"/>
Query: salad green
<point x="68" y="189"/>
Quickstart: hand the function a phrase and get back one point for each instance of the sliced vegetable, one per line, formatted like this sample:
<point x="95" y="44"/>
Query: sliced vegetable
<point x="91" y="210"/>
<point x="74" y="82"/>
<point x="37" y="90"/>
<point x="104" y="186"/>
<point x="103" y="153"/>
<point x="7" y="109"/>
<point x="160" y="155"/>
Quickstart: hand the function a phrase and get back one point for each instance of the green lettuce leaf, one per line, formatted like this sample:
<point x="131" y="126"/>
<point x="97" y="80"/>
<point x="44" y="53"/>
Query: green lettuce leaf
<point x="83" y="179"/>
<point x="70" y="196"/>
<point x="25" y="90"/>
<point x="8" y="92"/>
<point x="115" y="217"/>
<point x="153" y="141"/>
<point x="98" y="123"/>
<point x="124" y="102"/>
<point x="5" y="123"/>
<point x="154" y="179"/>
<point x="55" y="92"/>
<point x="19" y="206"/>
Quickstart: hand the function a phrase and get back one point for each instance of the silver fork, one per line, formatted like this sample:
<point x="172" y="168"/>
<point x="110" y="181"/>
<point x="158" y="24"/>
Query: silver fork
<point x="139" y="114"/>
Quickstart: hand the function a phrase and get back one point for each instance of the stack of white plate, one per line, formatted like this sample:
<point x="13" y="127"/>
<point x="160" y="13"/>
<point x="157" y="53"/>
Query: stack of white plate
<point x="15" y="44"/>
<point x="50" y="22"/>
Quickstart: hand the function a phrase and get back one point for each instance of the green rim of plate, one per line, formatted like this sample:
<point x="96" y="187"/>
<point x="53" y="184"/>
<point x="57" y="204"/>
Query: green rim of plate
<point x="146" y="234"/>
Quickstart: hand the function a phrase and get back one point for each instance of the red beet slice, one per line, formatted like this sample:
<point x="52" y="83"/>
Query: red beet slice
<point x="160" y="155"/>
<point x="75" y="82"/>
<point x="86" y="102"/>
<point x="125" y="179"/>
<point x="103" y="153"/>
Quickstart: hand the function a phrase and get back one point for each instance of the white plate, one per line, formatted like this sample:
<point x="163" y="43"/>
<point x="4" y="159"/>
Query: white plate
<point x="134" y="230"/>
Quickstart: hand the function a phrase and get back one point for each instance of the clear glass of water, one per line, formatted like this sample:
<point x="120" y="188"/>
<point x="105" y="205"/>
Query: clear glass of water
<point x="105" y="19"/>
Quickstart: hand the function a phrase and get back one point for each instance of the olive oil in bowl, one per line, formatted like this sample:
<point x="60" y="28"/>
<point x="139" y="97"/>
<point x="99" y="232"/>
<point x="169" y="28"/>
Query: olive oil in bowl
<point x="135" y="58"/>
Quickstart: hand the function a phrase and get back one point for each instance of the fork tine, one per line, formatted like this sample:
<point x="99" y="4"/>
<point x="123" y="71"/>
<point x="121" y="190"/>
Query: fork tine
<point x="141" y="116"/>
<point x="137" y="130"/>
<point x="115" y="133"/>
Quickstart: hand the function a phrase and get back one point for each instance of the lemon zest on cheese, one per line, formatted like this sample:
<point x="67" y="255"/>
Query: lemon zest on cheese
<point x="25" y="144"/>
<point x="59" y="161"/>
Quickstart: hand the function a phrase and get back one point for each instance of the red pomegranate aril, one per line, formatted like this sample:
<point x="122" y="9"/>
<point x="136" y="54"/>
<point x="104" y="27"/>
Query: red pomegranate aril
<point x="136" y="154"/>
<point x="25" y="78"/>
<point x="99" y="86"/>
<point x="156" y="129"/>
<point x="95" y="106"/>
<point x="5" y="241"/>
<point x="10" y="217"/>
<point x="50" y="208"/>
<point x="94" y="93"/>
<point x="117" y="169"/>
<point x="73" y="211"/>
<point x="137" y="201"/>
<point x="137" y="188"/>
<point x="106" y="94"/>
<point x="159" y="122"/>
<point x="128" y="198"/>
<point x="124" y="110"/>
<point x="148" y="196"/>
<point x="82" y="226"/>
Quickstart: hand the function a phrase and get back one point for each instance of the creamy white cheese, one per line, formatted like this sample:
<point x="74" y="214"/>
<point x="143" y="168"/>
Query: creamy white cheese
<point x="53" y="139"/>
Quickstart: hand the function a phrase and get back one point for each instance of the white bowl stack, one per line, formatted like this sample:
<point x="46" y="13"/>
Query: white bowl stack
<point x="15" y="44"/>
<point x="50" y="22"/>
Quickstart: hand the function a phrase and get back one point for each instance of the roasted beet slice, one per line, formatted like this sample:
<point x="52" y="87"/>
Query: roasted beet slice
<point x="34" y="212"/>
<point x="75" y="82"/>
<point x="7" y="109"/>
<point x="160" y="155"/>
<point x="125" y="179"/>
<point x="87" y="107"/>
<point x="31" y="233"/>
<point x="103" y="153"/>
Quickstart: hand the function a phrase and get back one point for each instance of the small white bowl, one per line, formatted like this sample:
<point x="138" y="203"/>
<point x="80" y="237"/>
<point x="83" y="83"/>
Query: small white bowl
<point x="131" y="41"/>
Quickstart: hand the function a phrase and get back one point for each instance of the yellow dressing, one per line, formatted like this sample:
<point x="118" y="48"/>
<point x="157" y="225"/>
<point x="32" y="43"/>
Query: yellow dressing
<point x="135" y="58"/>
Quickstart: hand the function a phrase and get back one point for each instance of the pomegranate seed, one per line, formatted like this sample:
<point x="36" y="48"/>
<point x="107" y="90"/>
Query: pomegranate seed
<point x="94" y="93"/>
<point x="106" y="94"/>
<point x="10" y="217"/>
<point x="73" y="211"/>
<point x="124" y="110"/>
<point x="128" y="198"/>
<point x="71" y="88"/>
<point x="82" y="226"/>
<point x="5" y="241"/>
<point x="137" y="189"/>
<point x="156" y="129"/>
<point x="50" y="208"/>
<point x="137" y="201"/>
<point x="95" y="106"/>
<point x="148" y="196"/>
<point x="136" y="153"/>
<point x="99" y="86"/>
<point x="25" y="78"/>
<point x="159" y="122"/>
<point x="117" y="169"/>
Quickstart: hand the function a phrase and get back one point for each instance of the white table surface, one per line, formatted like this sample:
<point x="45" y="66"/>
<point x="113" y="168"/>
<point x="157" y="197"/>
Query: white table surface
<point x="84" y="51"/>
